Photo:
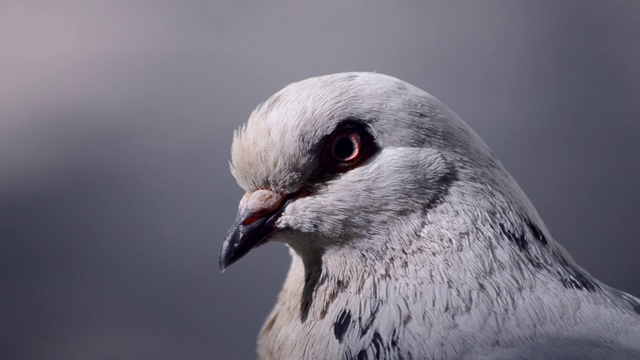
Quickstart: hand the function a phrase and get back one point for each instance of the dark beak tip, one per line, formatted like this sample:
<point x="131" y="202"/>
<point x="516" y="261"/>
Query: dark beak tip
<point x="227" y="258"/>
<point x="248" y="231"/>
<point x="241" y="239"/>
<point x="228" y="254"/>
<point x="222" y="262"/>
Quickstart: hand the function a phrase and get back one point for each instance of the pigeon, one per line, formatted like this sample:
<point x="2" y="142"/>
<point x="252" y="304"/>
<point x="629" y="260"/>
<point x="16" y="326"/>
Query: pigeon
<point x="408" y="238"/>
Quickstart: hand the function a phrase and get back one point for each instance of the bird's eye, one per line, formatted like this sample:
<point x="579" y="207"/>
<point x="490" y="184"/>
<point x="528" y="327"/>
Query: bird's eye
<point x="346" y="147"/>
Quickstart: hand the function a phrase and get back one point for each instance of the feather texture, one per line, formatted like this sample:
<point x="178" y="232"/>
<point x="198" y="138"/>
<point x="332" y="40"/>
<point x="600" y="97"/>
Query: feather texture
<point x="427" y="250"/>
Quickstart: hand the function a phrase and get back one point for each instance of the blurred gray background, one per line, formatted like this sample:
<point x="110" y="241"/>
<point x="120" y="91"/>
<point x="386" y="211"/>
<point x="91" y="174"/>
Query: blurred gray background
<point x="116" y="120"/>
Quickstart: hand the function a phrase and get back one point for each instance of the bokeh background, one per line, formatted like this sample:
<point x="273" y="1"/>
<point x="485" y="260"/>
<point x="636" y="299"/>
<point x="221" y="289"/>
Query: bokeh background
<point x="116" y="120"/>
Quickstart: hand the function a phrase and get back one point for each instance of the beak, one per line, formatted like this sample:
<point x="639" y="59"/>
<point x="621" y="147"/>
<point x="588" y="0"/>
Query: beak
<point x="255" y="222"/>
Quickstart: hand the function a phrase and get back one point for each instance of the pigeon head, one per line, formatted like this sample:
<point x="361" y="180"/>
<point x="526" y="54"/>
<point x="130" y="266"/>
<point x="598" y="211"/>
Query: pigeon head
<point x="337" y="160"/>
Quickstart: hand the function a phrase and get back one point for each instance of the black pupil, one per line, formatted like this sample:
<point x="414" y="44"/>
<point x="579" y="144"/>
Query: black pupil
<point x="343" y="148"/>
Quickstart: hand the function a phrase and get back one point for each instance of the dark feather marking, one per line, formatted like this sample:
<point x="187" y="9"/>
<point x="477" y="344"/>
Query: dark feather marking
<point x="366" y="326"/>
<point x="341" y="325"/>
<point x="377" y="345"/>
<point x="519" y="240"/>
<point x="332" y="295"/>
<point x="635" y="305"/>
<point x="394" y="338"/>
<point x="362" y="355"/>
<point x="378" y="348"/>
<point x="572" y="278"/>
<point x="313" y="271"/>
<point x="340" y="286"/>
<point x="522" y="243"/>
<point x="537" y="233"/>
<point x="325" y="309"/>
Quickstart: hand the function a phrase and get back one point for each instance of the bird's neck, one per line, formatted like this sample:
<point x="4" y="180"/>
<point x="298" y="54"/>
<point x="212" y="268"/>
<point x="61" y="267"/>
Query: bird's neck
<point x="449" y="284"/>
<point x="442" y="275"/>
<point x="438" y="260"/>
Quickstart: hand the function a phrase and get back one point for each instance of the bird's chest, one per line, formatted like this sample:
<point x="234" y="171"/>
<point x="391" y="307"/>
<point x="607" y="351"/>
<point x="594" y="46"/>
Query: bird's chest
<point x="345" y="333"/>
<point x="407" y="313"/>
<point x="344" y="325"/>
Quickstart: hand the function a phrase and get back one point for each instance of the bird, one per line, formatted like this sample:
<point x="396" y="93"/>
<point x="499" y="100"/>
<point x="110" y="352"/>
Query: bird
<point x="408" y="238"/>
